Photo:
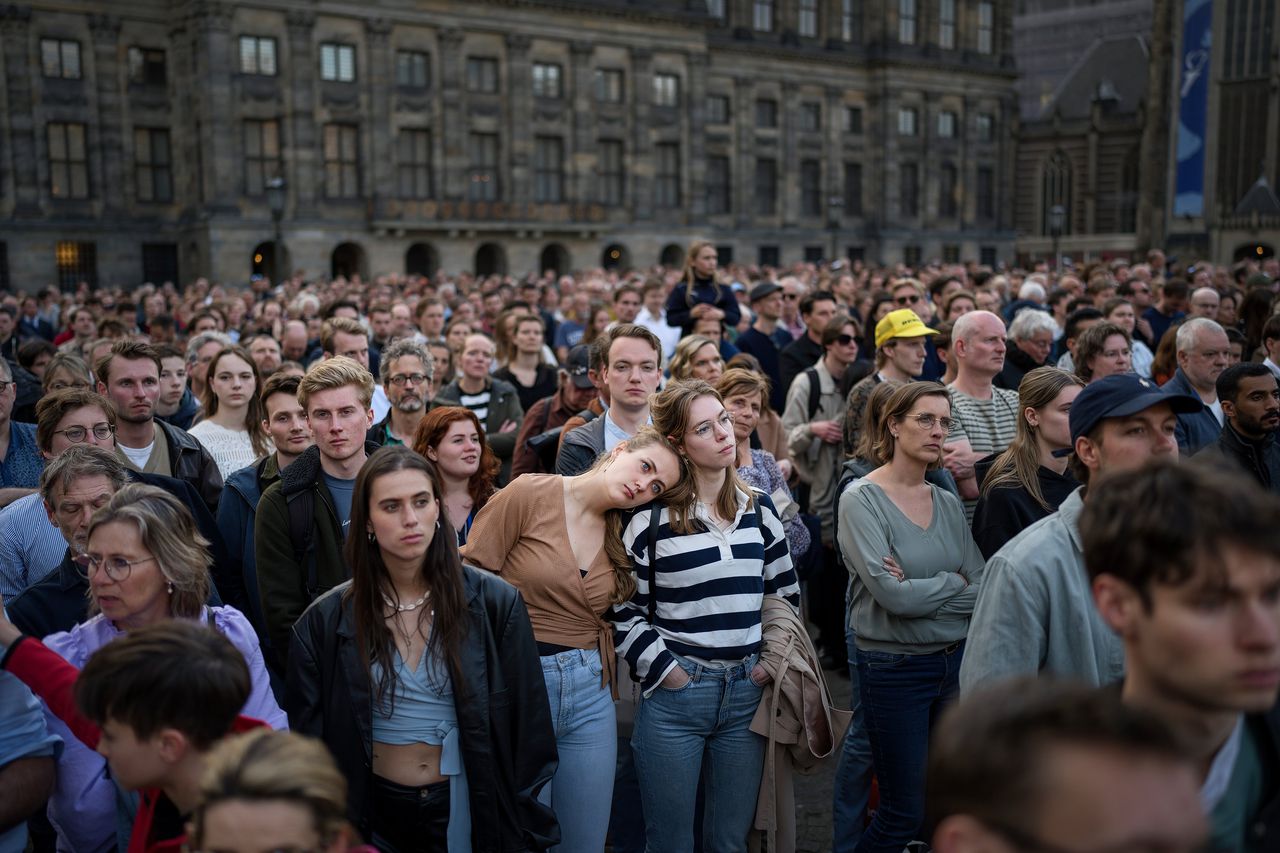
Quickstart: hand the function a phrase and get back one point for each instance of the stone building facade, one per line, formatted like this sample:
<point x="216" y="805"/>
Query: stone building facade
<point x="141" y="141"/>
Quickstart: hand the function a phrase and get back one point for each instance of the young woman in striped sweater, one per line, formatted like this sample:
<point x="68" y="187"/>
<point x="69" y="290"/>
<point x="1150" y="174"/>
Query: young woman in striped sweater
<point x="704" y="559"/>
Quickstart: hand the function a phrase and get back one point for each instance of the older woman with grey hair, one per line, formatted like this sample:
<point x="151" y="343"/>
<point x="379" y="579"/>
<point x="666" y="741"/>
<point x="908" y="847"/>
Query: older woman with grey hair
<point x="146" y="562"/>
<point x="1030" y="343"/>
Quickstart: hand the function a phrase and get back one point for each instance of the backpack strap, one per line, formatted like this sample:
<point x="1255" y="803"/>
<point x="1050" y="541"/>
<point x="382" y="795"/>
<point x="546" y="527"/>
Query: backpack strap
<point x="655" y="514"/>
<point x="815" y="390"/>
<point x="302" y="525"/>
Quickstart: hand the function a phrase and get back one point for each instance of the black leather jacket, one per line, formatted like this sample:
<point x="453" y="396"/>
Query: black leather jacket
<point x="1260" y="459"/>
<point x="191" y="462"/>
<point x="504" y="719"/>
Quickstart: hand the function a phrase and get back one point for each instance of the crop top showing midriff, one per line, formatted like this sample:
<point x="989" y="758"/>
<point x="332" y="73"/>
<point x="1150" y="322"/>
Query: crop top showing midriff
<point x="423" y="711"/>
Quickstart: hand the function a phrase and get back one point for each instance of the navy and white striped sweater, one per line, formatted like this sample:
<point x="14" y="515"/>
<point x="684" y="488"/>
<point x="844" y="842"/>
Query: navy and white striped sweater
<point x="710" y="588"/>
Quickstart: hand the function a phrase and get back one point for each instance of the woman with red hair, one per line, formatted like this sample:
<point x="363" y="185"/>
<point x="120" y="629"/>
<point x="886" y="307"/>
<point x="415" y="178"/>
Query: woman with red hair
<point x="451" y="437"/>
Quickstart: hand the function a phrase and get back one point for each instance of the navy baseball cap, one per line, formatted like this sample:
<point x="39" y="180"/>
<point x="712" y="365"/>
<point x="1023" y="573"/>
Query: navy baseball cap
<point x="577" y="365"/>
<point x="1119" y="396"/>
<point x="763" y="289"/>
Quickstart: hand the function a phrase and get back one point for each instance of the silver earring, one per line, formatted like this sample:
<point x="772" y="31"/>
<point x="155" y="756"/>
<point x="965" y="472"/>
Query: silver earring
<point x="437" y="524"/>
<point x="171" y="587"/>
<point x="372" y="538"/>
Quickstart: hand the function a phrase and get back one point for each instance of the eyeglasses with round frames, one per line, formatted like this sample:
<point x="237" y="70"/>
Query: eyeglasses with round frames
<point x="401" y="379"/>
<point x="725" y="422"/>
<point x="78" y="434"/>
<point x="928" y="422"/>
<point x="117" y="568"/>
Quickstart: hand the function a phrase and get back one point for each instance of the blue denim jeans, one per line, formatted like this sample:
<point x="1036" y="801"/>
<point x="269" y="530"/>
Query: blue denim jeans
<point x="852" y="788"/>
<point x="586" y="730"/>
<point x="678" y="732"/>
<point x="902" y="697"/>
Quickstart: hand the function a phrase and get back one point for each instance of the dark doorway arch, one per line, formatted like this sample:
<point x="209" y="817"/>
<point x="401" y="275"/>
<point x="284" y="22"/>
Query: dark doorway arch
<point x="421" y="259"/>
<point x="672" y="256"/>
<point x="554" y="258"/>
<point x="1253" y="252"/>
<point x="347" y="260"/>
<point x="491" y="259"/>
<point x="615" y="257"/>
<point x="270" y="259"/>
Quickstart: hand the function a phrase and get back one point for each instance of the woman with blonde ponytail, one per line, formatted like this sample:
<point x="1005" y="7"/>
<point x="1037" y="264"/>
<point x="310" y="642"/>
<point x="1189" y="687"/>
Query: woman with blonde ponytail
<point x="558" y="540"/>
<point x="1029" y="480"/>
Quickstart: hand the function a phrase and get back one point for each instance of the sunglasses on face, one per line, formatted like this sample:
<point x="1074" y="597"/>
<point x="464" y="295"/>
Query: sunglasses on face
<point x="907" y="300"/>
<point x="845" y="340"/>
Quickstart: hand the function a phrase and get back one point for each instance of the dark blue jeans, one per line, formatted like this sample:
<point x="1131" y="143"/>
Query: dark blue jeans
<point x="854" y="772"/>
<point x="902" y="697"/>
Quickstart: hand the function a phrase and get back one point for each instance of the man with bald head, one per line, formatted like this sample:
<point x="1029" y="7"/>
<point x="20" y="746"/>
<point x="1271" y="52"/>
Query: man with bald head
<point x="293" y="342"/>
<point x="1204" y="303"/>
<point x="986" y="417"/>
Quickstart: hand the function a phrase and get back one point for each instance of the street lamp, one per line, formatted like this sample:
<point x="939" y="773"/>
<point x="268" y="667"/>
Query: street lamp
<point x="276" y="194"/>
<point x="1057" y="216"/>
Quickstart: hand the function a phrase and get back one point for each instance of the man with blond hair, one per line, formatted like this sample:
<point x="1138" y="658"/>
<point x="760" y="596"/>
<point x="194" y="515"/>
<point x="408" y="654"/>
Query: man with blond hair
<point x="303" y="518"/>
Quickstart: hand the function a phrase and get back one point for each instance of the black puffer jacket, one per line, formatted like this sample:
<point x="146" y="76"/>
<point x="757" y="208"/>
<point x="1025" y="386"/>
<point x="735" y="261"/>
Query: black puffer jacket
<point x="1259" y="459"/>
<point x="504" y="719"/>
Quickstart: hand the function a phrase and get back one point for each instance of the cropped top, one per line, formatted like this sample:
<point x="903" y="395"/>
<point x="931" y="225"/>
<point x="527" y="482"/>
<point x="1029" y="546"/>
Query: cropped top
<point x="419" y="706"/>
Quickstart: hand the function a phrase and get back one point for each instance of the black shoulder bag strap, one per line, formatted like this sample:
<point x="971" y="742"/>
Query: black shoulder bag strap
<point x="815" y="390"/>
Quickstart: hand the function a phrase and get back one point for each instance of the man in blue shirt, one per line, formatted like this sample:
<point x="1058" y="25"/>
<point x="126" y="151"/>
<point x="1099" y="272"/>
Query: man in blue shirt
<point x="20" y="459"/>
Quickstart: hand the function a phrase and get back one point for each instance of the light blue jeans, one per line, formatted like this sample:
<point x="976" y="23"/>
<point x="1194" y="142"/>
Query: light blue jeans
<point x="586" y="732"/>
<point x="706" y="723"/>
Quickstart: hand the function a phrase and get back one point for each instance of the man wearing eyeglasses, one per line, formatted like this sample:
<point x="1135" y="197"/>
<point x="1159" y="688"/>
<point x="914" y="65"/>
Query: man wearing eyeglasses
<point x="406" y="371"/>
<point x="20" y="464"/>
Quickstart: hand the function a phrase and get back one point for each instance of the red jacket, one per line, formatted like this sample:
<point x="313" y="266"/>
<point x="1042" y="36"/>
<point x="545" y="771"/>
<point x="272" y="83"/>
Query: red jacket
<point x="51" y="678"/>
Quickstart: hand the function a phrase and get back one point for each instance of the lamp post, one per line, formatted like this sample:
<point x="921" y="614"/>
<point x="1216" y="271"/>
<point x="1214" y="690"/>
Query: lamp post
<point x="276" y="196"/>
<point x="1057" y="216"/>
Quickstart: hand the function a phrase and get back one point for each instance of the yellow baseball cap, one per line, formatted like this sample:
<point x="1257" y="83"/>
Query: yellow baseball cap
<point x="902" y="323"/>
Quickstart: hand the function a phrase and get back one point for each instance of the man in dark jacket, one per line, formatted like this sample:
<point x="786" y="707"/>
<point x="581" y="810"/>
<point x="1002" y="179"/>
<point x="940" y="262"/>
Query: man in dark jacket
<point x="496" y="399"/>
<point x="1203" y="353"/>
<point x="407" y="374"/>
<point x="1184" y="562"/>
<point x="302" y="520"/>
<point x="816" y="310"/>
<point x="1250" y="397"/>
<point x="129" y="376"/>
<point x="1030" y="343"/>
<point x="574" y="394"/>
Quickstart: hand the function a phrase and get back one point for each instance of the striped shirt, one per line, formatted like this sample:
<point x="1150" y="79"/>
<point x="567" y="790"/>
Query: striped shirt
<point x="988" y="425"/>
<point x="710" y="587"/>
<point x="30" y="546"/>
<point x="477" y="403"/>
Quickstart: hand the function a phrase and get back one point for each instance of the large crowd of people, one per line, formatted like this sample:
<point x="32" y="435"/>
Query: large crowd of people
<point x="457" y="563"/>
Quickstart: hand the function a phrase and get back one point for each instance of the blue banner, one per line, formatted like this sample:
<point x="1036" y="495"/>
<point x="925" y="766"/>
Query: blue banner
<point x="1193" y="113"/>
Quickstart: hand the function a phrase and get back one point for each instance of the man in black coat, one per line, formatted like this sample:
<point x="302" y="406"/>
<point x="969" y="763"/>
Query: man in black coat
<point x="1250" y="397"/>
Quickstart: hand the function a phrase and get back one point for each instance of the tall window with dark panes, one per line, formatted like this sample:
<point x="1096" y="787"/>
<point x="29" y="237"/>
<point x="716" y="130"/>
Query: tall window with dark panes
<point x="547" y="80"/>
<point x="911" y="255"/>
<point x="947" y="121"/>
<point x="412" y="69"/>
<point x="666" y="90"/>
<point x="261" y="154"/>
<point x="717" y="109"/>
<point x="60" y="58"/>
<point x="146" y="66"/>
<point x="848" y="20"/>
<point x="548" y="170"/>
<point x="853" y="120"/>
<point x="947" y="24"/>
<point x="482" y="179"/>
<point x="908" y="119"/>
<point x="153" y="167"/>
<point x="985" y="127"/>
<point x="258" y="55"/>
<point x="810" y="116"/>
<point x="608" y="85"/>
<point x="413" y="162"/>
<point x="482" y="75"/>
<point x="766" y="186"/>
<point x="986" y="27"/>
<point x="909" y="189"/>
<point x="160" y="262"/>
<point x="76" y="262"/>
<point x="762" y="16"/>
<point x="985" y="202"/>
<point x="68" y="160"/>
<point x="948" y="190"/>
<point x="807" y="18"/>
<point x="667" y="186"/>
<point x="907" y="21"/>
<point x="337" y="62"/>
<point x="718" y="185"/>
<point x="341" y="160"/>
<point x="610" y="172"/>
<point x="810" y="188"/>
<point x="766" y="112"/>
<point x="853" y="189"/>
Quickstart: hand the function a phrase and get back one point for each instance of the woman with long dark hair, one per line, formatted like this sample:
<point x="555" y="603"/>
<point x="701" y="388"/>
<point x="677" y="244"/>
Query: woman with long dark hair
<point x="699" y="294"/>
<point x="422" y="677"/>
<point x="551" y="536"/>
<point x="231" y="427"/>
<point x="451" y="437"/>
<point x="705" y="558"/>
<point x="1029" y="481"/>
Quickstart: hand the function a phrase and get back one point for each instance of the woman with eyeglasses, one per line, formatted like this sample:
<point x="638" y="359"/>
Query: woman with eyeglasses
<point x="231" y="429"/>
<point x="915" y="570"/>
<point x="146" y="562"/>
<point x="704" y="558"/>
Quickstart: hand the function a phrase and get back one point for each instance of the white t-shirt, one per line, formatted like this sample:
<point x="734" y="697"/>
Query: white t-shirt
<point x="137" y="455"/>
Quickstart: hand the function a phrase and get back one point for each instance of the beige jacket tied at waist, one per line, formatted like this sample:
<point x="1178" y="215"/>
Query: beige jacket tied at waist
<point x="797" y="717"/>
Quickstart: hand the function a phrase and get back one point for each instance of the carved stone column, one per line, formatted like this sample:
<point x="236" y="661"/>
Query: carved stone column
<point x="583" y="150"/>
<point x="380" y="152"/>
<point x="696" y="157"/>
<point x="518" y="180"/>
<point x="211" y="25"/>
<point x="19" y="124"/>
<point x="109" y="182"/>
<point x="642" y="163"/>
<point x="452" y="121"/>
<point x="307" y="177"/>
